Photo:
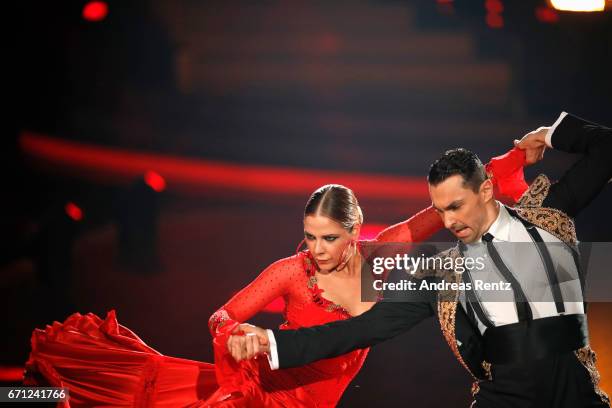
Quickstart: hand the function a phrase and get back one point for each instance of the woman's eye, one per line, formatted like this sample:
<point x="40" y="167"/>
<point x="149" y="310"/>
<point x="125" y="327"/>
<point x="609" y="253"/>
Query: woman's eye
<point x="330" y="239"/>
<point x="309" y="237"/>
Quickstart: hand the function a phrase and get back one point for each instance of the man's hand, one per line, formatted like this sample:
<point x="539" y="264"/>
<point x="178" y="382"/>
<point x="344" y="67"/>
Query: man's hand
<point x="248" y="341"/>
<point x="534" y="144"/>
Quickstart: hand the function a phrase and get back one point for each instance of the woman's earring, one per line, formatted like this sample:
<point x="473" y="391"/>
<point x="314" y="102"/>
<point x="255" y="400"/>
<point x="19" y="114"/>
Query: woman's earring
<point x="348" y="257"/>
<point x="297" y="250"/>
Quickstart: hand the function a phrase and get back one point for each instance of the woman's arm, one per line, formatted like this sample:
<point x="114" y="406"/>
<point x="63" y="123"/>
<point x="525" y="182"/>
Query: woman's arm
<point x="506" y="172"/>
<point x="417" y="228"/>
<point x="272" y="283"/>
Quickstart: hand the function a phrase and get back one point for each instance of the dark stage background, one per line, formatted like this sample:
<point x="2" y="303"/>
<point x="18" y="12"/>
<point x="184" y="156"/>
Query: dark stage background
<point x="343" y="90"/>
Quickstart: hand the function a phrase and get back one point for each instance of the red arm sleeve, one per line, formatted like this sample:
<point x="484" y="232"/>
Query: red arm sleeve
<point x="272" y="283"/>
<point x="417" y="228"/>
<point x="506" y="172"/>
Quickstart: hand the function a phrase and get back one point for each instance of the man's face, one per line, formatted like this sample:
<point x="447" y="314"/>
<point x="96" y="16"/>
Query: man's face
<point x="462" y="210"/>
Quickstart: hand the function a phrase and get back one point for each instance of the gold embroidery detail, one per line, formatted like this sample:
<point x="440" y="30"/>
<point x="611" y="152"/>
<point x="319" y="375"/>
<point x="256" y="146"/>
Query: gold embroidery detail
<point x="447" y="310"/>
<point x="587" y="357"/>
<point x="447" y="303"/>
<point x="487" y="369"/>
<point x="552" y="220"/>
<point x="312" y="281"/>
<point x="332" y="307"/>
<point x="529" y="207"/>
<point x="446" y="315"/>
<point x="475" y="388"/>
<point x="536" y="193"/>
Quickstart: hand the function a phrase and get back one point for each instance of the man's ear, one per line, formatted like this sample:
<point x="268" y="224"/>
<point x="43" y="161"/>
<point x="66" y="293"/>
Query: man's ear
<point x="486" y="190"/>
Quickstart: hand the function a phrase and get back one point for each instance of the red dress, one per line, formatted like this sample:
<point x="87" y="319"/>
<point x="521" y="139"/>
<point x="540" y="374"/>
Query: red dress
<point x="105" y="364"/>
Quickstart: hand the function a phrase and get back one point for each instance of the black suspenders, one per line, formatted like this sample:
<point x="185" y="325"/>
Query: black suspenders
<point x="473" y="305"/>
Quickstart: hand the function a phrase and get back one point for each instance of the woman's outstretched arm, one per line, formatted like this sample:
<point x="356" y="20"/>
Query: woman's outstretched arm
<point x="506" y="172"/>
<point x="271" y="284"/>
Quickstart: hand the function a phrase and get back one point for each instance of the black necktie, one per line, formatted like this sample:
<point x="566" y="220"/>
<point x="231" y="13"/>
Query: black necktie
<point x="523" y="309"/>
<point x="472" y="304"/>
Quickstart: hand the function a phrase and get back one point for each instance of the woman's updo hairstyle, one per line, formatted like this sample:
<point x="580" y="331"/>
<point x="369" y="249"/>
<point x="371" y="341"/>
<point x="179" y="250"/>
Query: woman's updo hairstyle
<point x="337" y="202"/>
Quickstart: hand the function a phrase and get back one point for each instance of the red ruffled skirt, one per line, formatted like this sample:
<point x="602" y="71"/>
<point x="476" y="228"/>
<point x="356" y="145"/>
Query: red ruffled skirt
<point x="105" y="364"/>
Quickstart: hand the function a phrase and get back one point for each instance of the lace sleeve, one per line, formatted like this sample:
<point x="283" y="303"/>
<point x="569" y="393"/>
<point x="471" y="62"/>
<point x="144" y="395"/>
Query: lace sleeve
<point x="273" y="282"/>
<point x="506" y="172"/>
<point x="417" y="228"/>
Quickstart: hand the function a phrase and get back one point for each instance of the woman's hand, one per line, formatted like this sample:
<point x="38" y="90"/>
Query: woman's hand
<point x="534" y="144"/>
<point x="248" y="341"/>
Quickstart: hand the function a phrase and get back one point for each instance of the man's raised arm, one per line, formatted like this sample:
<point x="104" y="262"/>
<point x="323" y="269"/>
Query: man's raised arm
<point x="586" y="178"/>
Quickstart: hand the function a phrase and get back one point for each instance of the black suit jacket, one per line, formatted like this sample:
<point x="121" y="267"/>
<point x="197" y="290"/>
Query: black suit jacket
<point x="579" y="185"/>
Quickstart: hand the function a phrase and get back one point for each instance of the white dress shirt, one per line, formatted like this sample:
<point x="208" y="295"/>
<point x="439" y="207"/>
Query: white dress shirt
<point x="525" y="263"/>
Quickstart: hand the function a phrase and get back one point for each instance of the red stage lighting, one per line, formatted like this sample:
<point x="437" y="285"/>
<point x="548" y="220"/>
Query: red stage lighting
<point x="494" y="6"/>
<point x="73" y="211"/>
<point x="155" y="181"/>
<point x="494" y="17"/>
<point x="495" y="20"/>
<point x="546" y="15"/>
<point x="95" y="11"/>
<point x="199" y="176"/>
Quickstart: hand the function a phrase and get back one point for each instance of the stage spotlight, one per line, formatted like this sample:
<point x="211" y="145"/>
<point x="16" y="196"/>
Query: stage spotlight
<point x="494" y="6"/>
<point x="546" y="15"/>
<point x="155" y="181"/>
<point x="73" y="211"/>
<point x="95" y="11"/>
<point x="579" y="5"/>
<point x="494" y="17"/>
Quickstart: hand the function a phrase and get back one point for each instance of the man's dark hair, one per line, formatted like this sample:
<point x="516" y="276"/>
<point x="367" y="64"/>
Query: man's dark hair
<point x="458" y="161"/>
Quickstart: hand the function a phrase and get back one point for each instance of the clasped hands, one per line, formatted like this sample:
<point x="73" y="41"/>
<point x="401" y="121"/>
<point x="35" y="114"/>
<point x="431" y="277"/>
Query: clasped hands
<point x="248" y="341"/>
<point x="534" y="144"/>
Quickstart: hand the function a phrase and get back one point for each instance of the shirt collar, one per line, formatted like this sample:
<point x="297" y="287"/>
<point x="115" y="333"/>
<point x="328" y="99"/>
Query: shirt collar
<point x="500" y="229"/>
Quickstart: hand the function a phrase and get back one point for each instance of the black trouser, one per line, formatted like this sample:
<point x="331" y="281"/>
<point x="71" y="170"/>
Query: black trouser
<point x="559" y="381"/>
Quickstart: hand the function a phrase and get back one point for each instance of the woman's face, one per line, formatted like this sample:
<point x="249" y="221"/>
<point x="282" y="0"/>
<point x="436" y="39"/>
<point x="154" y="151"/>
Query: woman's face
<point x="327" y="240"/>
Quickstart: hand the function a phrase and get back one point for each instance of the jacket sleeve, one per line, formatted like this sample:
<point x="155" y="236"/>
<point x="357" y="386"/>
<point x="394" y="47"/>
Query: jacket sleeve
<point x="383" y="321"/>
<point x="587" y="177"/>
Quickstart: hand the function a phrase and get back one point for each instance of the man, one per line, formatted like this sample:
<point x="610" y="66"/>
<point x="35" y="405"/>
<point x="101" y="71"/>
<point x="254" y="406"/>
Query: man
<point x="523" y="352"/>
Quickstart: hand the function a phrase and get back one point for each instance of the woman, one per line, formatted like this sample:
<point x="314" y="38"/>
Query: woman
<point x="103" y="363"/>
